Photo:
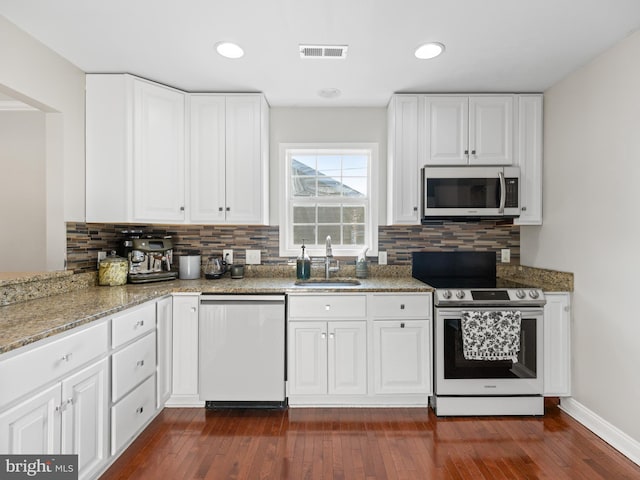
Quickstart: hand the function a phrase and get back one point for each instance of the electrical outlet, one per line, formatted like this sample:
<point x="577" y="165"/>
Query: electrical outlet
<point x="227" y="256"/>
<point x="252" y="257"/>
<point x="505" y="255"/>
<point x="382" y="258"/>
<point x="101" y="256"/>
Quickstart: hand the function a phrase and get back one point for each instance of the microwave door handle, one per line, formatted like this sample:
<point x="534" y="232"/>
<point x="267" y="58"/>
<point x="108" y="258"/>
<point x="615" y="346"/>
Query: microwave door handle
<point x="503" y="188"/>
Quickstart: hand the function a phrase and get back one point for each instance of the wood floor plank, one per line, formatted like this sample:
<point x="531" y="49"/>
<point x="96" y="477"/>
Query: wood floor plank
<point x="368" y="444"/>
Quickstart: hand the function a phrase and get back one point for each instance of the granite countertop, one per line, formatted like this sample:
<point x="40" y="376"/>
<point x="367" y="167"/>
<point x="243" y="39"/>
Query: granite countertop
<point x="32" y="320"/>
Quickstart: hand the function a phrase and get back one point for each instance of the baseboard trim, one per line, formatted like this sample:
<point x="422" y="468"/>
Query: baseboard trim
<point x="611" y="434"/>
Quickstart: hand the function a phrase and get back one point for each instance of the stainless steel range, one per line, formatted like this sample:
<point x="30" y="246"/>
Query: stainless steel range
<point x="488" y="337"/>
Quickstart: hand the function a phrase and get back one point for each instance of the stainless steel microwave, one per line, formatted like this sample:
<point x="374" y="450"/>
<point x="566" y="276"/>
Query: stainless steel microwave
<point x="470" y="192"/>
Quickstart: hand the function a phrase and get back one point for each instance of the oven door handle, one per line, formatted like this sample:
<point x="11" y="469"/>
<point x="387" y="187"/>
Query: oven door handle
<point x="457" y="312"/>
<point x="503" y="193"/>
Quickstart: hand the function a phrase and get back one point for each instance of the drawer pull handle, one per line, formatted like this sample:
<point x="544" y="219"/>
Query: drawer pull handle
<point x="402" y="325"/>
<point x="402" y="306"/>
<point x="140" y="363"/>
<point x="66" y="358"/>
<point x="139" y="410"/>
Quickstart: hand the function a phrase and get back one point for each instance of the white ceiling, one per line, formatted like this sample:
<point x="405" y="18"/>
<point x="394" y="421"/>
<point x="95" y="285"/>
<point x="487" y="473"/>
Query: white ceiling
<point x="491" y="45"/>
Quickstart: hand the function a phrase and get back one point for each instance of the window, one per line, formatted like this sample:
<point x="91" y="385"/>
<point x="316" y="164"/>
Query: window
<point x="328" y="192"/>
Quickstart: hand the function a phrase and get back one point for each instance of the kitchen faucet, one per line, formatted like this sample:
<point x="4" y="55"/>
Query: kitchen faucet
<point x="327" y="260"/>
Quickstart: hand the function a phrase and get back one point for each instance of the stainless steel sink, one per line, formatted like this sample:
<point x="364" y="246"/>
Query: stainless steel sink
<point x="331" y="282"/>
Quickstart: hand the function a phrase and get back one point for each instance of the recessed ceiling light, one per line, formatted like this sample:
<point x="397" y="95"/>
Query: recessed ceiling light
<point x="429" y="50"/>
<point x="329" y="93"/>
<point x="229" y="50"/>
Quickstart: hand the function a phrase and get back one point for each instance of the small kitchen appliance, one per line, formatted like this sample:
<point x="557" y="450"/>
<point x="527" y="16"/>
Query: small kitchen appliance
<point x="466" y="287"/>
<point x="459" y="193"/>
<point x="150" y="260"/>
<point x="215" y="268"/>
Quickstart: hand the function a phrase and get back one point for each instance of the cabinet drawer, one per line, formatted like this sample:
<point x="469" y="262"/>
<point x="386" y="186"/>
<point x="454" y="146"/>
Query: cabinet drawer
<point x="35" y="368"/>
<point x="132" y="324"/>
<point x="132" y="365"/>
<point x="401" y="306"/>
<point x="131" y="413"/>
<point x="327" y="306"/>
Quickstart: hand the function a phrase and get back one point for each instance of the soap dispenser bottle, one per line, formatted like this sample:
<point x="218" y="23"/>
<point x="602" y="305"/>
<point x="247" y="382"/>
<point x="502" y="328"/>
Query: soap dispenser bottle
<point x="303" y="265"/>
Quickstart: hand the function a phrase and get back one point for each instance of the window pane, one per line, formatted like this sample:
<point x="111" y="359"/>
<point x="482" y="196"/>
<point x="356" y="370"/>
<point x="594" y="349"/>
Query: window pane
<point x="330" y="166"/>
<point x="328" y="214"/>
<point x="304" y="233"/>
<point x="303" y="186"/>
<point x="303" y="165"/>
<point x="355" y="187"/>
<point x="355" y="165"/>
<point x="353" y="215"/>
<point x="353" y="235"/>
<point x="304" y="214"/>
<point x="332" y="230"/>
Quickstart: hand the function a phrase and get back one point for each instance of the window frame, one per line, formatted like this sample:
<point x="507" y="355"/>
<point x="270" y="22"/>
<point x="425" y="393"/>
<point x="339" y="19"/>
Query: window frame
<point x="287" y="248"/>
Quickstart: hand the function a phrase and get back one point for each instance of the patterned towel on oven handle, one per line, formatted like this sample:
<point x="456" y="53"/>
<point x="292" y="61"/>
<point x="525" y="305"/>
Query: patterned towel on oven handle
<point x="491" y="335"/>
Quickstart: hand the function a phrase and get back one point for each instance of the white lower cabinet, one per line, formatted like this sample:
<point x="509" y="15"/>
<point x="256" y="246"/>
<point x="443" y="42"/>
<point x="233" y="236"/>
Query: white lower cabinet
<point x="184" y="381"/>
<point x="164" y="312"/>
<point x="33" y="426"/>
<point x="130" y="414"/>
<point x="328" y="358"/>
<point x="557" y="344"/>
<point x="359" y="349"/>
<point x="70" y="417"/>
<point x="402" y="356"/>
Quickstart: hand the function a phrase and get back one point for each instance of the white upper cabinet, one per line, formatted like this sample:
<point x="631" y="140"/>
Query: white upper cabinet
<point x="158" y="153"/>
<point x="402" y="161"/>
<point x="529" y="159"/>
<point x="137" y="169"/>
<point x="229" y="159"/>
<point x="135" y="150"/>
<point x="476" y="130"/>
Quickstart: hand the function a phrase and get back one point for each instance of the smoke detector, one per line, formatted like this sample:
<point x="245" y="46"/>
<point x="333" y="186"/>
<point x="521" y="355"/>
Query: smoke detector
<point x="323" y="51"/>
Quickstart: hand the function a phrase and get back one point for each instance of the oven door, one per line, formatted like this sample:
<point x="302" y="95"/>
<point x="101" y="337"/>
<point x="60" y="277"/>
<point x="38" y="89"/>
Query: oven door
<point x="457" y="376"/>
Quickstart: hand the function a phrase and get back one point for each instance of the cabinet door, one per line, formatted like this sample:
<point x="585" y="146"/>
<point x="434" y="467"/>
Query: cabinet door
<point x="185" y="350"/>
<point x="33" y="426"/>
<point x="165" y="349"/>
<point x="401" y="356"/>
<point x="157" y="184"/>
<point x="403" y="167"/>
<point x="85" y="418"/>
<point x="307" y="358"/>
<point x="557" y="345"/>
<point x="245" y="170"/>
<point x="445" y="128"/>
<point x="491" y="130"/>
<point x="529" y="159"/>
<point x="347" y="362"/>
<point x="207" y="159"/>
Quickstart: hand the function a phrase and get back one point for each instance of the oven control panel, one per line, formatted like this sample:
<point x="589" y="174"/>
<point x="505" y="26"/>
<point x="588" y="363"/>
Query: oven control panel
<point x="489" y="296"/>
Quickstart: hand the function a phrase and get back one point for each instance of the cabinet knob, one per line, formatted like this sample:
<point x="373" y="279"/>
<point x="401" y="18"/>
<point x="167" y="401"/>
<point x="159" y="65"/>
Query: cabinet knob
<point x="139" y="323"/>
<point x="220" y="209"/>
<point x="402" y="306"/>
<point x="193" y="309"/>
<point x="415" y="209"/>
<point x="524" y="209"/>
<point x="139" y="410"/>
<point x="466" y="152"/>
<point x="66" y="357"/>
<point x="402" y="325"/>
<point x="327" y="307"/>
<point x="473" y="152"/>
<point x="323" y="335"/>
<point x="228" y="209"/>
<point x="182" y="209"/>
<point x="140" y="363"/>
<point x="331" y="335"/>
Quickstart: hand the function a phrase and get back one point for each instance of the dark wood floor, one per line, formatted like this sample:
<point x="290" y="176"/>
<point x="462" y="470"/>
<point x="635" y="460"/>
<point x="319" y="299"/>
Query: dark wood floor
<point x="399" y="443"/>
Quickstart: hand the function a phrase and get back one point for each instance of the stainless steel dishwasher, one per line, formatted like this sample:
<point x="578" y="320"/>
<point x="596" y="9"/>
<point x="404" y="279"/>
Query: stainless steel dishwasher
<point x="242" y="350"/>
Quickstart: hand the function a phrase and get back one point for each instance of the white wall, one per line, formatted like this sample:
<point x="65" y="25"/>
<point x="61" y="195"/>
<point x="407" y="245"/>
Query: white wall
<point x="22" y="192"/>
<point x="36" y="75"/>
<point x="328" y="125"/>
<point x="592" y="225"/>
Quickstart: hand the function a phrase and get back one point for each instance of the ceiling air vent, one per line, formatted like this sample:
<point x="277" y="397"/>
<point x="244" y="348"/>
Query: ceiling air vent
<point x="323" y="51"/>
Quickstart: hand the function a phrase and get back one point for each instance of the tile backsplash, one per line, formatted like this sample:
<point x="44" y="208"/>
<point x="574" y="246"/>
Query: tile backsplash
<point x="85" y="240"/>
